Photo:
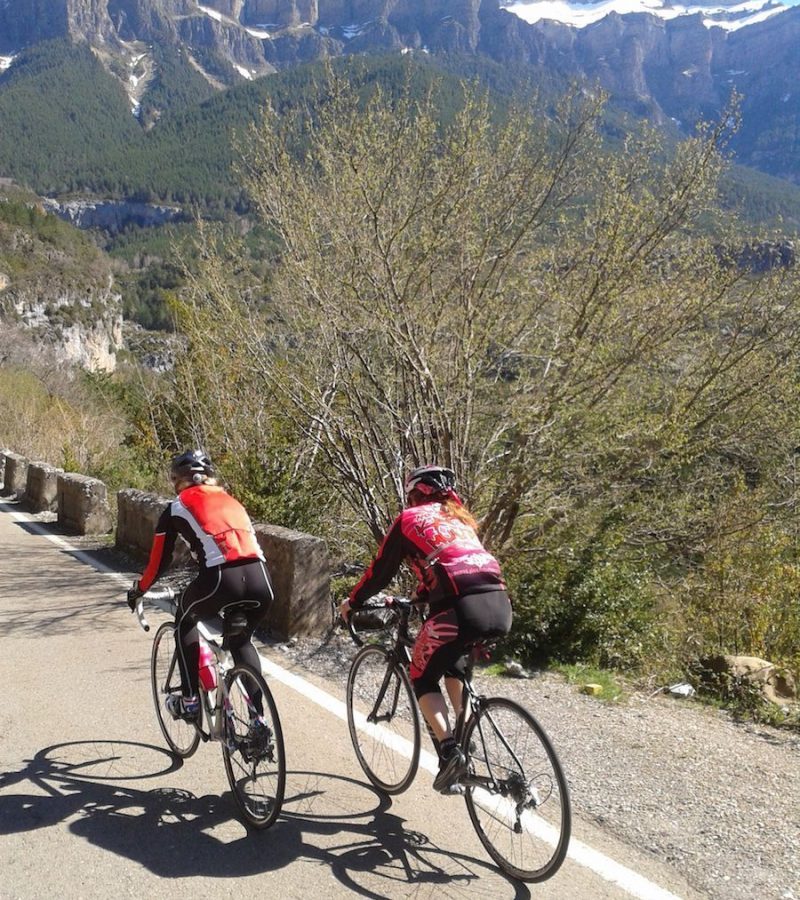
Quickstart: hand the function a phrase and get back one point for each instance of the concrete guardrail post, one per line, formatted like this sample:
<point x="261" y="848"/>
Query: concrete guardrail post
<point x="137" y="515"/>
<point x="300" y="570"/>
<point x="82" y="504"/>
<point x="41" y="487"/>
<point x="15" y="476"/>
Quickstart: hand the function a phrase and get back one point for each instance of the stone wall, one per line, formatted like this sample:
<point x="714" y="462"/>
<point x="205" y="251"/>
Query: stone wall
<point x="137" y="515"/>
<point x="82" y="504"/>
<point x="298" y="564"/>
<point x="41" y="487"/>
<point x="15" y="478"/>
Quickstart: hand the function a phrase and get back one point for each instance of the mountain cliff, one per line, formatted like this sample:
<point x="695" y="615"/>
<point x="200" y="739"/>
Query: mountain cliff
<point x="679" y="68"/>
<point x="56" y="285"/>
<point x="676" y="67"/>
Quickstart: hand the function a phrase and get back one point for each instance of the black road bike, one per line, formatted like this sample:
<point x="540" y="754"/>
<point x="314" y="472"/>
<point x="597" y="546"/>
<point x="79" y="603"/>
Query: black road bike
<point x="514" y="787"/>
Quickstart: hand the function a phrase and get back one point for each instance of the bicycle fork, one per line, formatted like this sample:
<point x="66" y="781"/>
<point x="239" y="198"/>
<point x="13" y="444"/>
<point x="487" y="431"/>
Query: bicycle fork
<point x="373" y="716"/>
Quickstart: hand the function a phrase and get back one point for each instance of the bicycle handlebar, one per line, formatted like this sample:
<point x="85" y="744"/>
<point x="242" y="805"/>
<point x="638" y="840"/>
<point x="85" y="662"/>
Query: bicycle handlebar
<point x="162" y="598"/>
<point x="379" y="602"/>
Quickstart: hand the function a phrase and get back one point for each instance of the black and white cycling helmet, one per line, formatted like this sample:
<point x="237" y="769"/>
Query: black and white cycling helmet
<point x="430" y="480"/>
<point x="191" y="465"/>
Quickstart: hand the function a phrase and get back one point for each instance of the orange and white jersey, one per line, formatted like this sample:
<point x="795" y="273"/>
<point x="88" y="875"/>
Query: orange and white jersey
<point x="214" y="524"/>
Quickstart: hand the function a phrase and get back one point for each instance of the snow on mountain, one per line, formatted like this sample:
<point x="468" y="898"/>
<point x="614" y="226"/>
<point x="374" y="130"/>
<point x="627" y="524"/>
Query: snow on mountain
<point x="730" y="16"/>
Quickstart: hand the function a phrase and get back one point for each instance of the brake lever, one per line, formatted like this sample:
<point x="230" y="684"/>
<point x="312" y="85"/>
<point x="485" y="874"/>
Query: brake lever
<point x="140" y="614"/>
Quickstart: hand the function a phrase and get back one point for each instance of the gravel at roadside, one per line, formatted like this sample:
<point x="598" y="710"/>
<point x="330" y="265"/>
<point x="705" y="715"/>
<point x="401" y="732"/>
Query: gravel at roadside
<point x="720" y="801"/>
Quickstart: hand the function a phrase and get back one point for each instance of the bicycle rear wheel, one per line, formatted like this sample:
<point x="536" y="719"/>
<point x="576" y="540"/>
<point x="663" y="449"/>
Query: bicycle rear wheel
<point x="381" y="711"/>
<point x="254" y="757"/>
<point x="517" y="794"/>
<point x="182" y="736"/>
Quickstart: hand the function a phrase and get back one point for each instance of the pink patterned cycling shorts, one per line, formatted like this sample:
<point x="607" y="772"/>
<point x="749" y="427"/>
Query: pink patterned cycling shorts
<point x="436" y="632"/>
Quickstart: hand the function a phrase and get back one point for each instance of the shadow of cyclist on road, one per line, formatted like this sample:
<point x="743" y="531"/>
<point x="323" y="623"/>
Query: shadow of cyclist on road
<point x="96" y="790"/>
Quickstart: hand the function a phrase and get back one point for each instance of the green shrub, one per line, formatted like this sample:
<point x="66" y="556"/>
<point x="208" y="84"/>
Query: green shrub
<point x="604" y="613"/>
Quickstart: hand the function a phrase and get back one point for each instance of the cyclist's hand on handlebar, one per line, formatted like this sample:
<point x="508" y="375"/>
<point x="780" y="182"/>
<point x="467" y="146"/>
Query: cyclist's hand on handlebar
<point x="344" y="610"/>
<point x="133" y="595"/>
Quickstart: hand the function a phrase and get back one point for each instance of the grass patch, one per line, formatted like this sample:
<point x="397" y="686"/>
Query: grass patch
<point x="581" y="675"/>
<point x="495" y="668"/>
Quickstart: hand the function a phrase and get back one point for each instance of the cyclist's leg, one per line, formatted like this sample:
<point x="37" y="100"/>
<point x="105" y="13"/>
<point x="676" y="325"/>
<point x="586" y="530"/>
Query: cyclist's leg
<point x="199" y="600"/>
<point x="435" y="651"/>
<point x="248" y="586"/>
<point x="454" y="684"/>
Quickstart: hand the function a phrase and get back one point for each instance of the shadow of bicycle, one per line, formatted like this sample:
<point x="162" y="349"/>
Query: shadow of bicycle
<point x="98" y="790"/>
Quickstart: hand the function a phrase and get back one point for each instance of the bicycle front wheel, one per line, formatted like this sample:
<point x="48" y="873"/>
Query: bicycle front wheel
<point x="516" y="792"/>
<point x="182" y="736"/>
<point x="252" y="747"/>
<point x="381" y="714"/>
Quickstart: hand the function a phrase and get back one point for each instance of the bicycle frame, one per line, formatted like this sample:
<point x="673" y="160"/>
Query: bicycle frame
<point x="214" y="707"/>
<point x="473" y="707"/>
<point x="211" y="632"/>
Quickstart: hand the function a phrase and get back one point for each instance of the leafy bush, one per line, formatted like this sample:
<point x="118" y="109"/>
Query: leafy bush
<point x="601" y="611"/>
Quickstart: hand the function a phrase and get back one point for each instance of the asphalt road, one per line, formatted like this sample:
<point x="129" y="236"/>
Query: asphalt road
<point x="93" y="806"/>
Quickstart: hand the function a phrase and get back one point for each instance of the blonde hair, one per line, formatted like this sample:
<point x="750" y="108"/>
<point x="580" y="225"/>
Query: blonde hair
<point x="457" y="511"/>
<point x="193" y="480"/>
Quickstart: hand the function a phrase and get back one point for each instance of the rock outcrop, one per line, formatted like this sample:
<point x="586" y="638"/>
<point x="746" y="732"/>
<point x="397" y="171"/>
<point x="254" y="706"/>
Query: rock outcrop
<point x="112" y="215"/>
<point x="78" y="328"/>
<point x="57" y="287"/>
<point x="676" y="69"/>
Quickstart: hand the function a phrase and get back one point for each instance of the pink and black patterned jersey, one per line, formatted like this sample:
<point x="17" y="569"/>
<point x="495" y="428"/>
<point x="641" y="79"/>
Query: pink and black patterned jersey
<point x="445" y="554"/>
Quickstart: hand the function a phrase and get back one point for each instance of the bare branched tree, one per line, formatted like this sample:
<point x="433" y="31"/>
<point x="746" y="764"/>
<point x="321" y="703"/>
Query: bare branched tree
<point x="506" y="298"/>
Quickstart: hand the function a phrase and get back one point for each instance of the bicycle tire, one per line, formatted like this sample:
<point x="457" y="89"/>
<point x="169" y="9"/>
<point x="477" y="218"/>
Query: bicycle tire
<point x="530" y="791"/>
<point x="377" y="686"/>
<point x="181" y="736"/>
<point x="255" y="766"/>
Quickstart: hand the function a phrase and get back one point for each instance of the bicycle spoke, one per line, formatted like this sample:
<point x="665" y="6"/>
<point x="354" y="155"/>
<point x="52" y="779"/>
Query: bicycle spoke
<point x="382" y="714"/>
<point x="519" y="801"/>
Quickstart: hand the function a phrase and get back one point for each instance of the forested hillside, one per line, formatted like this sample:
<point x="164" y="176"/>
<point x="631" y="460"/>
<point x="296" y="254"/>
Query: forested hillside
<point x="68" y="126"/>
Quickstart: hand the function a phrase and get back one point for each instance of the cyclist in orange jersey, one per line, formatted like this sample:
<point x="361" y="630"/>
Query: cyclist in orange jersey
<point x="233" y="570"/>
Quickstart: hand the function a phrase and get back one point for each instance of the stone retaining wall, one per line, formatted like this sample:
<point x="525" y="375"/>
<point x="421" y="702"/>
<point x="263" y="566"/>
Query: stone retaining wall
<point x="298" y="564"/>
<point x="137" y="515"/>
<point x="41" y="487"/>
<point x="15" y="476"/>
<point x="82" y="504"/>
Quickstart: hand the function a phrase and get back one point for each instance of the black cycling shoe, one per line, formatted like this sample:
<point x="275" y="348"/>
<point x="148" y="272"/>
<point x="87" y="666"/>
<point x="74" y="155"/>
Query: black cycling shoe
<point x="451" y="768"/>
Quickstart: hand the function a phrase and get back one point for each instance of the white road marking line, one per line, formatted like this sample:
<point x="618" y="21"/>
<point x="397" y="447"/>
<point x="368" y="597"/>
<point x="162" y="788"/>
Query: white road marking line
<point x="608" y="869"/>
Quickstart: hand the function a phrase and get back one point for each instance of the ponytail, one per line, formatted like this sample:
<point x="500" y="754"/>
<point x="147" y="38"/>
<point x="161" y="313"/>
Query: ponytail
<point x="193" y="480"/>
<point x="453" y="507"/>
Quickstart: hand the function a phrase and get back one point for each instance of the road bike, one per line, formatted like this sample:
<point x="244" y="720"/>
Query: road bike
<point x="514" y="787"/>
<point x="236" y="708"/>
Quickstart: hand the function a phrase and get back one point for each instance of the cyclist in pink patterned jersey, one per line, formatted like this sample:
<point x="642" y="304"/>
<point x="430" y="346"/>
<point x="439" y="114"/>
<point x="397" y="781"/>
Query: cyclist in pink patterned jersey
<point x="462" y="583"/>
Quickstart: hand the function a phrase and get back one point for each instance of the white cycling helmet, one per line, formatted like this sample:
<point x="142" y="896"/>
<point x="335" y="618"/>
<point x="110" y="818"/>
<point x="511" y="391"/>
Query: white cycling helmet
<point x="430" y="480"/>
